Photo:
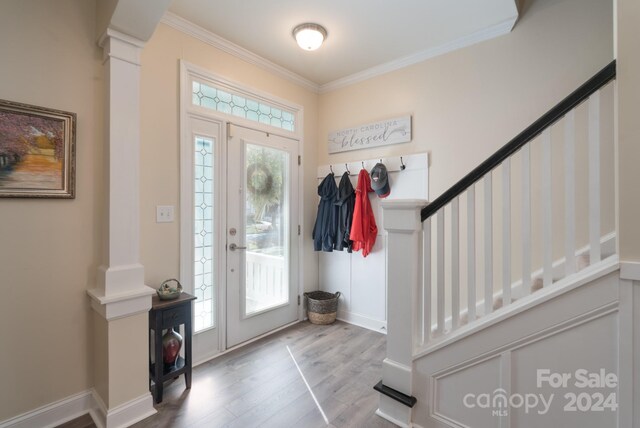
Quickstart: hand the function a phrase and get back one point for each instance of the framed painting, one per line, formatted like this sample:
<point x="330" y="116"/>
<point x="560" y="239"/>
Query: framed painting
<point x="37" y="152"/>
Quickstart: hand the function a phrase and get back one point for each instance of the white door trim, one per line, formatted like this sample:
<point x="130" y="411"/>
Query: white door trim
<point x="188" y="72"/>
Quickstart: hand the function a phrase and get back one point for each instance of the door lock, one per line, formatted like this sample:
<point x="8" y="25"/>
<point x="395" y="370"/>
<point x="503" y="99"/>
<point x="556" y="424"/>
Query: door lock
<point x="234" y="247"/>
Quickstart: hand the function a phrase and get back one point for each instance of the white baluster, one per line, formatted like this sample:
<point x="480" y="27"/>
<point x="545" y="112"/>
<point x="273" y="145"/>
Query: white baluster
<point x="471" y="253"/>
<point x="440" y="273"/>
<point x="488" y="244"/>
<point x="455" y="263"/>
<point x="547" y="217"/>
<point x="506" y="232"/>
<point x="426" y="281"/>
<point x="526" y="219"/>
<point x="569" y="193"/>
<point x="594" y="178"/>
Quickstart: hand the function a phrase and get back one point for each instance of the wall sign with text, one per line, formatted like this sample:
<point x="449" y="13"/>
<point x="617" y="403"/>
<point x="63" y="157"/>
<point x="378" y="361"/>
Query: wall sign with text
<point x="383" y="133"/>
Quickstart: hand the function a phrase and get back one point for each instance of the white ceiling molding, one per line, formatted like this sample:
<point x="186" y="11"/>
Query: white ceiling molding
<point x="500" y="29"/>
<point x="224" y="45"/>
<point x="218" y="42"/>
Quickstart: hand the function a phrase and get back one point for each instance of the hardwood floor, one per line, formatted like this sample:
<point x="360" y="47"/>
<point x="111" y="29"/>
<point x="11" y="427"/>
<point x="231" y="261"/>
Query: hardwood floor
<point x="84" y="421"/>
<point x="259" y="385"/>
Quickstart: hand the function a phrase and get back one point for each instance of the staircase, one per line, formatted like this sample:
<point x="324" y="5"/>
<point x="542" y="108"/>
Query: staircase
<point x="505" y="302"/>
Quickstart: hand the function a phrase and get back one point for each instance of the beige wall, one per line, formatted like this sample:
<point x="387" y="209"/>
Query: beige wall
<point x="160" y="171"/>
<point x="49" y="251"/>
<point x="628" y="16"/>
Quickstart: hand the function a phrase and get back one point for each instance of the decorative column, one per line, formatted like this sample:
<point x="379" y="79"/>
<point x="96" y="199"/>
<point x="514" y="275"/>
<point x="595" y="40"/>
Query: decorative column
<point x="121" y="300"/>
<point x="401" y="220"/>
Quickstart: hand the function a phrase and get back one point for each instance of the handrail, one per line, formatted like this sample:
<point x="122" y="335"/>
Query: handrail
<point x="603" y="77"/>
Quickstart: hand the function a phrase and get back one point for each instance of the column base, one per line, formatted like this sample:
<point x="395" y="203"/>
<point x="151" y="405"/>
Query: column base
<point x="123" y="415"/>
<point x="121" y="305"/>
<point x="394" y="412"/>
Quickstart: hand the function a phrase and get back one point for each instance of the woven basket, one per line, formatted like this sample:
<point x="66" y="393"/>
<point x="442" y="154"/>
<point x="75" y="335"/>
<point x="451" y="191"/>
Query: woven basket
<point x="322" y="307"/>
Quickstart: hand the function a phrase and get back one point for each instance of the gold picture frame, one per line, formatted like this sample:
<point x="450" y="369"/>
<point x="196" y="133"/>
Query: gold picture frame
<point x="37" y="152"/>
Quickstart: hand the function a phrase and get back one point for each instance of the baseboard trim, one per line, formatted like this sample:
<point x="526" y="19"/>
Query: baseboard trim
<point x="123" y="415"/>
<point x="395" y="421"/>
<point x="53" y="414"/>
<point x="74" y="406"/>
<point x="362" y="321"/>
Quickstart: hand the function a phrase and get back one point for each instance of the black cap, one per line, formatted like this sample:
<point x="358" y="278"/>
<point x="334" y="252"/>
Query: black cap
<point x="380" y="180"/>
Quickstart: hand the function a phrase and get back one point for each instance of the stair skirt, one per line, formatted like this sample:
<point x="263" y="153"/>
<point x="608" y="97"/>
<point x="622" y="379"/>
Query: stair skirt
<point x="529" y="370"/>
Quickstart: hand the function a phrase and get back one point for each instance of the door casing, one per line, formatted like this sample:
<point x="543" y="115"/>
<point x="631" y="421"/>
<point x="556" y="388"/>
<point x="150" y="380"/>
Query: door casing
<point x="213" y="342"/>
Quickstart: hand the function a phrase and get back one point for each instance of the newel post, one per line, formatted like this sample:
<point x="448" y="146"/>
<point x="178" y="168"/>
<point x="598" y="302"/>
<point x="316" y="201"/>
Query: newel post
<point x="401" y="221"/>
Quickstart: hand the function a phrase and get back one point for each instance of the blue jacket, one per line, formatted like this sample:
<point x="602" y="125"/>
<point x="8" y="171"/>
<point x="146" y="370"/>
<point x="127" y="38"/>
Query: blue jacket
<point x="345" y="200"/>
<point x="324" y="231"/>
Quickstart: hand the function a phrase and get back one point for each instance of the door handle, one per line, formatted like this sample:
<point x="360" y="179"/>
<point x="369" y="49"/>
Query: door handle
<point x="234" y="247"/>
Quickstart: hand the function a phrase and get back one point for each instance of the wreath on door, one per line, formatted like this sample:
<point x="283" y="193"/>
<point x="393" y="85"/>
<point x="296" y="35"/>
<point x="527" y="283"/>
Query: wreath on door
<point x="260" y="181"/>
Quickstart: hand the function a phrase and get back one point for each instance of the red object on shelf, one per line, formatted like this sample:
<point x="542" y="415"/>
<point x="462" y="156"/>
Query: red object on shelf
<point x="171" y="345"/>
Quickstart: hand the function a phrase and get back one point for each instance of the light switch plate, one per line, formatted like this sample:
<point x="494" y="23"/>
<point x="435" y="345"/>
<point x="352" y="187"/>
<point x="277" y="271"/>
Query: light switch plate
<point x="164" y="213"/>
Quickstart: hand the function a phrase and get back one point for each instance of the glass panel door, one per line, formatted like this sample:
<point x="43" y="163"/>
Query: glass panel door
<point x="262" y="240"/>
<point x="266" y="228"/>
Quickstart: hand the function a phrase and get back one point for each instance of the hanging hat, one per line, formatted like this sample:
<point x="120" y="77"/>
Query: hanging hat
<point x="380" y="180"/>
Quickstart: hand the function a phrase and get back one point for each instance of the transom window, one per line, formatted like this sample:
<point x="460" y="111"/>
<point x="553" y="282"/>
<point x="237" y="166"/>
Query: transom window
<point x="238" y="105"/>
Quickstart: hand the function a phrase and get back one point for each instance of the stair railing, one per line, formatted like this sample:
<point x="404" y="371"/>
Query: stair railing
<point x="425" y="289"/>
<point x="424" y="245"/>
<point x="448" y="319"/>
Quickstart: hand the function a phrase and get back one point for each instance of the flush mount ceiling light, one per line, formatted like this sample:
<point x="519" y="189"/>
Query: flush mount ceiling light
<point x="309" y="36"/>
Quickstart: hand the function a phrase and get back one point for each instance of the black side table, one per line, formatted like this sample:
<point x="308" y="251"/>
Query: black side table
<point x="163" y="315"/>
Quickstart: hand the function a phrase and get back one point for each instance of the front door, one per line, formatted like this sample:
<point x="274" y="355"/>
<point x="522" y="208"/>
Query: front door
<point x="261" y="233"/>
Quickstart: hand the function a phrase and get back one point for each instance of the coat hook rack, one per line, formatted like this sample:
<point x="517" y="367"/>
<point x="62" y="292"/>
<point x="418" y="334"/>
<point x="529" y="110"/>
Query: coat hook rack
<point x="394" y="164"/>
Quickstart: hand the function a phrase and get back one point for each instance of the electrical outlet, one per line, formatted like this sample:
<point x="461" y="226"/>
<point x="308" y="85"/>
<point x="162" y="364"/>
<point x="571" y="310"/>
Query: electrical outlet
<point x="164" y="213"/>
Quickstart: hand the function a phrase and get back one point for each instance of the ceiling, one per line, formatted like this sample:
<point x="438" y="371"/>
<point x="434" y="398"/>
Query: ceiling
<point x="364" y="36"/>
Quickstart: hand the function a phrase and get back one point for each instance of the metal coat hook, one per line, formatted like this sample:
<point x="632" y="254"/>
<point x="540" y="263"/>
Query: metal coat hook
<point x="362" y="164"/>
<point x="331" y="168"/>
<point x="402" y="165"/>
<point x="347" y="168"/>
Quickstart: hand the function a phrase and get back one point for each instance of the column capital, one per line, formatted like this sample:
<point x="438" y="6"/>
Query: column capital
<point x="118" y="45"/>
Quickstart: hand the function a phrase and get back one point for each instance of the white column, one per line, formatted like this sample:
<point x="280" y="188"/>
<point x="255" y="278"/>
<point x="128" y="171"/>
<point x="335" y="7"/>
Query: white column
<point x="120" y="299"/>
<point x="120" y="289"/>
<point x="404" y="270"/>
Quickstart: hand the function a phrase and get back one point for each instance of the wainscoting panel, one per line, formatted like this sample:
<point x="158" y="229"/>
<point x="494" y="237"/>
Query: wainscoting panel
<point x="556" y="364"/>
<point x="449" y="390"/>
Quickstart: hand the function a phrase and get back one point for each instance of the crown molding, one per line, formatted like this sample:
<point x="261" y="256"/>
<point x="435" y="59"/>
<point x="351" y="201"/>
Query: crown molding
<point x="500" y="29"/>
<point x="224" y="45"/>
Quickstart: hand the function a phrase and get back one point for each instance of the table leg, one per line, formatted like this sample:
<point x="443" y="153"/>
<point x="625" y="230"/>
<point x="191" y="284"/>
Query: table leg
<point x="159" y="367"/>
<point x="187" y="348"/>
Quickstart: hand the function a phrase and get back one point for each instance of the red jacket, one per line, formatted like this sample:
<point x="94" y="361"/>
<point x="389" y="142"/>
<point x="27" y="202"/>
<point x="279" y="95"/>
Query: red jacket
<point x="363" y="229"/>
